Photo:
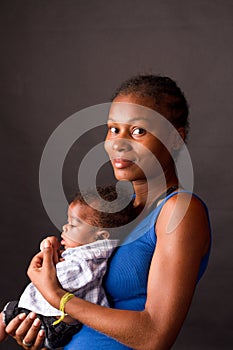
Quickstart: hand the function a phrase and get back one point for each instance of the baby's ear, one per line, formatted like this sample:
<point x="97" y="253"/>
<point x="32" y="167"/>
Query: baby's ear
<point x="179" y="138"/>
<point x="102" y="234"/>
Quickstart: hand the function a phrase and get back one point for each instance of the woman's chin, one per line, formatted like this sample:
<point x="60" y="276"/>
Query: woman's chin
<point x="132" y="174"/>
<point x="121" y="175"/>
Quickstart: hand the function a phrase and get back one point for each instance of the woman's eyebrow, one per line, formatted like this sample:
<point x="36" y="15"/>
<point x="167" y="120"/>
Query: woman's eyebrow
<point x="133" y="120"/>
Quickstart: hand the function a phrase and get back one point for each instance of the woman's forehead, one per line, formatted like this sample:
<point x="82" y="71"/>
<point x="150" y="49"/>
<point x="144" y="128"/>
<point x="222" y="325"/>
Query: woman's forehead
<point x="124" y="112"/>
<point x="138" y="99"/>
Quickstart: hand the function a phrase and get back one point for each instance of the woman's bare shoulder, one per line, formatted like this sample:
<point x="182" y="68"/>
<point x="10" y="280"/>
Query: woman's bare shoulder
<point x="187" y="215"/>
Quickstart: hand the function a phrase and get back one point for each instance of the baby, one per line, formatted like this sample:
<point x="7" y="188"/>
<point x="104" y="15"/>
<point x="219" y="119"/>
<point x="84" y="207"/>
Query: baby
<point x="81" y="265"/>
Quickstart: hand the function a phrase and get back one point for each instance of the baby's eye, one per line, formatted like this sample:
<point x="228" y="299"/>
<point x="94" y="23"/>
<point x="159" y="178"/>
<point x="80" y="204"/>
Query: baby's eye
<point x="70" y="223"/>
<point x="138" y="131"/>
<point x="114" y="130"/>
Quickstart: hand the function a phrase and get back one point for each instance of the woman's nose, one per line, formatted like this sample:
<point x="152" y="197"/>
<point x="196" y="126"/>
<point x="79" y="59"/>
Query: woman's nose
<point x="121" y="145"/>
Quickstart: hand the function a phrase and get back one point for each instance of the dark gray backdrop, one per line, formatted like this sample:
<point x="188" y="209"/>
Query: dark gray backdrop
<point x="58" y="57"/>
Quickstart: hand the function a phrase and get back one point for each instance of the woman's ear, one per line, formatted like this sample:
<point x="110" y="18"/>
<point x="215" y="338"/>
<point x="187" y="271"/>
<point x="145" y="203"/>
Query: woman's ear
<point x="102" y="234"/>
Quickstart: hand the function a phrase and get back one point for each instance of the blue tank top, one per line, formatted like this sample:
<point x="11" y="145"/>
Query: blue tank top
<point x="126" y="280"/>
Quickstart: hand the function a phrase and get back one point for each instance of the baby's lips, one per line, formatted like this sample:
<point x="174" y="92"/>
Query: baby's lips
<point x="63" y="242"/>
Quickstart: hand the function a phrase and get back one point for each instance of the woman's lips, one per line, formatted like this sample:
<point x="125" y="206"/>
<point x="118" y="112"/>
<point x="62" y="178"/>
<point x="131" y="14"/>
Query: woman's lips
<point x="121" y="163"/>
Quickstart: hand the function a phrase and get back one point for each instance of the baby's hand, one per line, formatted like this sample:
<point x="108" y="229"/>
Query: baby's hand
<point x="56" y="247"/>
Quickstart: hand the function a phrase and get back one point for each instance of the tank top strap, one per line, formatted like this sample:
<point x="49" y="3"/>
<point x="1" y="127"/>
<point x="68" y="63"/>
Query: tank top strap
<point x="153" y="216"/>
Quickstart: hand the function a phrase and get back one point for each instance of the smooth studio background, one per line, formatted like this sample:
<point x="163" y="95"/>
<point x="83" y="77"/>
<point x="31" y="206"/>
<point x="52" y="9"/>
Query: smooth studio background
<point x="58" y="57"/>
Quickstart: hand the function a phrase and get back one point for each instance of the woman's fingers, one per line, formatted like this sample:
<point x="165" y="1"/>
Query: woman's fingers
<point x="41" y="260"/>
<point x="42" y="273"/>
<point x="13" y="325"/>
<point x="55" y="247"/>
<point x="24" y="326"/>
<point x="48" y="255"/>
<point x="38" y="344"/>
<point x="37" y="261"/>
<point x="53" y="240"/>
<point x="26" y="330"/>
<point x="35" y="335"/>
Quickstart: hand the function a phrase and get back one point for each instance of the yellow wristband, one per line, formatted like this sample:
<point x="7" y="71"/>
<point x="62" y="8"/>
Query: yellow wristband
<point x="66" y="297"/>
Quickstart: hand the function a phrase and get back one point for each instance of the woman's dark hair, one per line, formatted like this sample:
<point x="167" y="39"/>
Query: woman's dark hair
<point x="168" y="98"/>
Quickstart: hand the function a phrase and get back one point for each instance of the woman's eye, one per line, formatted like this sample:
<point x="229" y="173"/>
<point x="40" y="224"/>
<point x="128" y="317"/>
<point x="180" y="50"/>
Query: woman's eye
<point x="114" y="130"/>
<point x="138" y="131"/>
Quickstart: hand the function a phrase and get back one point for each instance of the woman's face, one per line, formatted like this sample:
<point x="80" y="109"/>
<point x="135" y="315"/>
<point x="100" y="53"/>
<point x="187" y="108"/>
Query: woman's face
<point x="131" y="143"/>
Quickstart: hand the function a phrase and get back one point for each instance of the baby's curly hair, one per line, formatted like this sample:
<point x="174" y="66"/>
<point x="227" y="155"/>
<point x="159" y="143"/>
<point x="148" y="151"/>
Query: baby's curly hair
<point x="110" y="214"/>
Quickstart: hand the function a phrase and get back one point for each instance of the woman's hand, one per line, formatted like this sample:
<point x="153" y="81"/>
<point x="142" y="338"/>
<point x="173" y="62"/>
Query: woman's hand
<point x="26" y="331"/>
<point x="56" y="245"/>
<point x="42" y="273"/>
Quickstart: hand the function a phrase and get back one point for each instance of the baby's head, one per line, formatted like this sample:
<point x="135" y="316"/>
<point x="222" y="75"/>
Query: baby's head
<point x="86" y="224"/>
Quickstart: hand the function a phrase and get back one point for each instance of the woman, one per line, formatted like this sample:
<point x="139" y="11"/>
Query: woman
<point x="152" y="277"/>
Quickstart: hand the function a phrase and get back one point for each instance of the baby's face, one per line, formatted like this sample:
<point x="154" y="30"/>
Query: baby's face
<point x="77" y="231"/>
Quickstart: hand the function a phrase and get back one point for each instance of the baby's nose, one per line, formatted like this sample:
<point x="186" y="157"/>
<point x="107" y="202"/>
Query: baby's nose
<point x="64" y="228"/>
